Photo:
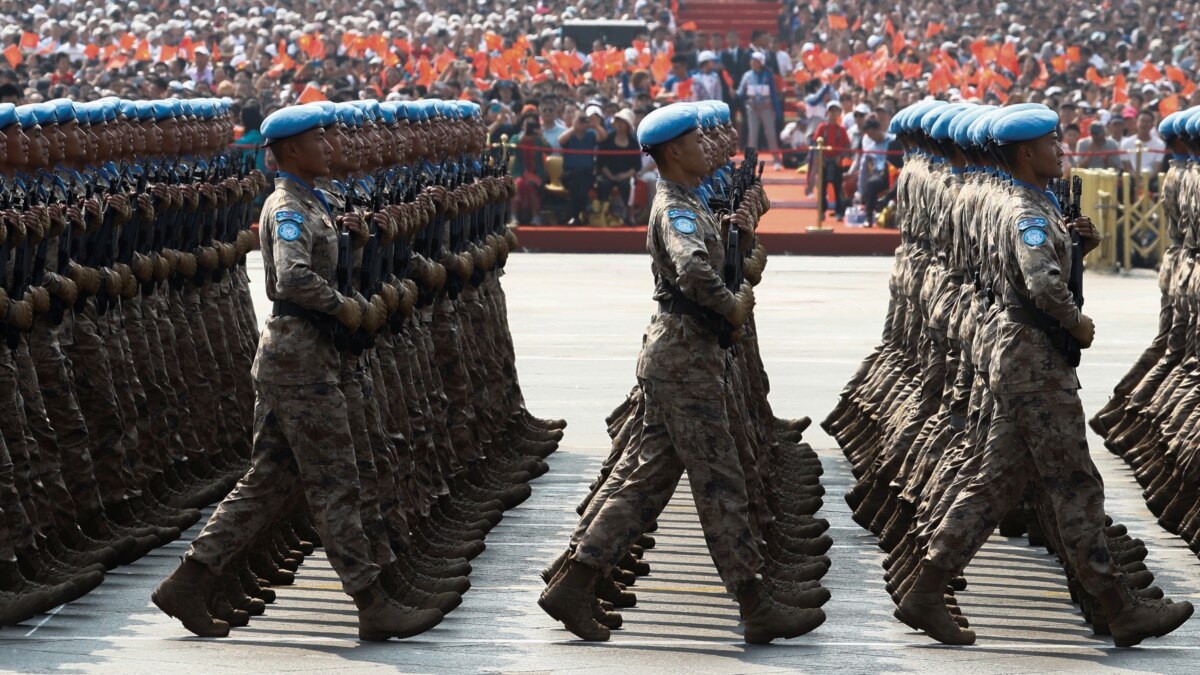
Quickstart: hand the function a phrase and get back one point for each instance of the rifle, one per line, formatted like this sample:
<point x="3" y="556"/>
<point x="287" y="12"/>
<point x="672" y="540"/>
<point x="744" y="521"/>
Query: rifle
<point x="22" y="273"/>
<point x="1075" y="281"/>
<point x="343" y="337"/>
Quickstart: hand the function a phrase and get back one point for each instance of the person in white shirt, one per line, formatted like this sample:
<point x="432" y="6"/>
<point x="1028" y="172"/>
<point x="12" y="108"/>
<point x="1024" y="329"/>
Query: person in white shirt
<point x="1153" y="147"/>
<point x="706" y="83"/>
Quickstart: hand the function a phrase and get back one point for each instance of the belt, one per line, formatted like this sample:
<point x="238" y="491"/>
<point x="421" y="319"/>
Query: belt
<point x="1020" y="315"/>
<point x="288" y="308"/>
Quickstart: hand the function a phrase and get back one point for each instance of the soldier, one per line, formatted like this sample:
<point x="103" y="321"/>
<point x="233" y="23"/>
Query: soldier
<point x="1038" y="424"/>
<point x="682" y="372"/>
<point x="296" y="372"/>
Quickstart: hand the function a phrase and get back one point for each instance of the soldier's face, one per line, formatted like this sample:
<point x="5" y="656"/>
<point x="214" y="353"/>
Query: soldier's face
<point x="336" y="139"/>
<point x="689" y="156"/>
<point x="39" y="148"/>
<point x="57" y="142"/>
<point x="73" y="140"/>
<point x="18" y="146"/>
<point x="312" y="153"/>
<point x="1045" y="156"/>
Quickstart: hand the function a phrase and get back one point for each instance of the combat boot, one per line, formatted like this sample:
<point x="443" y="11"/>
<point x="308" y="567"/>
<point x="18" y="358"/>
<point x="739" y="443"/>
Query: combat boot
<point x="430" y="584"/>
<point x="635" y="565"/>
<point x="1131" y="619"/>
<point x="570" y="600"/>
<point x="252" y="585"/>
<point x="18" y="607"/>
<point x="403" y="591"/>
<point x="764" y="619"/>
<point x="606" y="618"/>
<point x="237" y="596"/>
<point x="184" y="596"/>
<point x="646" y="541"/>
<point x="809" y="595"/>
<point x="609" y="590"/>
<point x="220" y="608"/>
<point x="924" y="608"/>
<point x="381" y="618"/>
<point x="550" y="570"/>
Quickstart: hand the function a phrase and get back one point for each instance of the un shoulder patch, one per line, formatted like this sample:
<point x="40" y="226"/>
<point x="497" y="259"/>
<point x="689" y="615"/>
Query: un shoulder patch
<point x="1030" y="222"/>
<point x="681" y="213"/>
<point x="683" y="225"/>
<point x="1034" y="237"/>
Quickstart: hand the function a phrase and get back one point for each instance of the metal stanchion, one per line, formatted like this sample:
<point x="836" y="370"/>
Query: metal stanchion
<point x="820" y="166"/>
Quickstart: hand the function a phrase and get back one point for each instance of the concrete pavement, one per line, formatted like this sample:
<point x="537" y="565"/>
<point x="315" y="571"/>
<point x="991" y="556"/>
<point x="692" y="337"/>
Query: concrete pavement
<point x="577" y="323"/>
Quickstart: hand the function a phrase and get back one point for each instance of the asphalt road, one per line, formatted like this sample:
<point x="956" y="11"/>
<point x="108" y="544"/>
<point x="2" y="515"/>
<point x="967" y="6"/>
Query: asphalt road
<point x="577" y="323"/>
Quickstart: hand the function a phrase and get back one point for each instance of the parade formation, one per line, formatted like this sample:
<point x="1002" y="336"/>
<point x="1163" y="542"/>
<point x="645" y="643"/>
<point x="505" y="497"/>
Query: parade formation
<point x="378" y="414"/>
<point x="967" y="416"/>
<point x="137" y="386"/>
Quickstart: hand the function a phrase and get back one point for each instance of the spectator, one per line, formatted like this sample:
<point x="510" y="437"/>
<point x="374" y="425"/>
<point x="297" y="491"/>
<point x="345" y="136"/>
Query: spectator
<point x="552" y="127"/>
<point x="619" y="161"/>
<point x="579" y="144"/>
<point x="872" y="166"/>
<point x="501" y="121"/>
<point x="679" y="84"/>
<point x="836" y="143"/>
<point x="1071" y="137"/>
<point x="1153" y="148"/>
<point x="794" y="138"/>
<point x="1098" y="150"/>
<point x="706" y="83"/>
<point x="529" y="170"/>
<point x="757" y="91"/>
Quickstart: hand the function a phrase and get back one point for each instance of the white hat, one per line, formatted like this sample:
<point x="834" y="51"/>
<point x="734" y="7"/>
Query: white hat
<point x="627" y="115"/>
<point x="862" y="108"/>
<point x="593" y="110"/>
<point x="760" y="57"/>
<point x="706" y="55"/>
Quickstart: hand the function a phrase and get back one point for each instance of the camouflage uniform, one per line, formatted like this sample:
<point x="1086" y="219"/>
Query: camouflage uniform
<point x="302" y="438"/>
<point x="1038" y="423"/>
<point x="682" y="371"/>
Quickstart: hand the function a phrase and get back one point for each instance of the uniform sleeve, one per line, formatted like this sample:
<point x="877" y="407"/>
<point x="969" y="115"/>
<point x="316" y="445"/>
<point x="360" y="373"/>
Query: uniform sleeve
<point x="697" y="278"/>
<point x="1040" y="268"/>
<point x="289" y="230"/>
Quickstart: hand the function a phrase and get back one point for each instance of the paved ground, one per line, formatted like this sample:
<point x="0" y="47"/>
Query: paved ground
<point x="577" y="322"/>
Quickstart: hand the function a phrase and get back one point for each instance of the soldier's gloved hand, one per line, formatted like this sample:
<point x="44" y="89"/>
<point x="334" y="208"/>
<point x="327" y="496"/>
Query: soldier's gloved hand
<point x="114" y="281"/>
<point x="1085" y="331"/>
<point x="145" y="209"/>
<point x="129" y="286"/>
<point x="408" y="299"/>
<point x="58" y="219"/>
<point x="186" y="265"/>
<point x="375" y="314"/>
<point x="120" y="204"/>
<point x="62" y="288"/>
<point x="742" y="307"/>
<point x="207" y="257"/>
<point x="3" y="302"/>
<point x="349" y="313"/>
<point x="19" y="315"/>
<point x="86" y="279"/>
<point x="143" y="267"/>
<point x="161" y="193"/>
<point x="753" y="271"/>
<point x="39" y="299"/>
<point x="164" y="264"/>
<point x="391" y="297"/>
<point x="354" y="225"/>
<point x="228" y="254"/>
<point x="386" y="226"/>
<point x="34" y="230"/>
<point x="91" y="212"/>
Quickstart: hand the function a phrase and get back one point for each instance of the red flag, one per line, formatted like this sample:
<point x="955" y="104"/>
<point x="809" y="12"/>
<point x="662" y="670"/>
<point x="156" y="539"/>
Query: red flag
<point x="424" y="72"/>
<point x="838" y="22"/>
<point x="1168" y="105"/>
<point x="142" y="53"/>
<point x="688" y="25"/>
<point x="1188" y="88"/>
<point x="1059" y="63"/>
<point x="127" y="40"/>
<point x="1120" y="90"/>
<point x="480" y="61"/>
<point x="1176" y="75"/>
<point x="910" y="71"/>
<point x="1074" y="55"/>
<point x="933" y="29"/>
<point x="898" y="43"/>
<point x="1094" y="77"/>
<point x="1007" y="59"/>
<point x="443" y="61"/>
<point x="403" y="46"/>
<point x="857" y="24"/>
<point x="91" y="51"/>
<point x="889" y="28"/>
<point x="167" y="53"/>
<point x="1149" y="73"/>
<point x="29" y="41"/>
<point x="312" y="94"/>
<point x="13" y="54"/>
<point x="185" y="48"/>
<point x="493" y="42"/>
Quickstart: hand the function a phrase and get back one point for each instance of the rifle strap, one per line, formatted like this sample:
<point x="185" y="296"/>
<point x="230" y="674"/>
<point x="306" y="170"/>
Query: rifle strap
<point x="323" y="322"/>
<point x="1030" y="315"/>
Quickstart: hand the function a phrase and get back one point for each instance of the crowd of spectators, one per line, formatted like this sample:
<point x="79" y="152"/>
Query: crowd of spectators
<point x="830" y="71"/>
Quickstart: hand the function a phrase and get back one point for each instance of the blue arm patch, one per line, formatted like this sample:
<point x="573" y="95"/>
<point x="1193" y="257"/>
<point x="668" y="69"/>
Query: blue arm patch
<point x="683" y="225"/>
<point x="288" y="231"/>
<point x="681" y="213"/>
<point x="1034" y="237"/>
<point x="292" y="216"/>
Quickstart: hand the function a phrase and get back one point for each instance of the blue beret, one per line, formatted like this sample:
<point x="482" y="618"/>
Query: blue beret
<point x="960" y="127"/>
<point x="329" y="109"/>
<point x="1166" y="128"/>
<point x="291" y="121"/>
<point x="1024" y="125"/>
<point x="26" y="116"/>
<point x="938" y="127"/>
<point x="163" y="110"/>
<point x="64" y="109"/>
<point x="8" y="115"/>
<point x="110" y="111"/>
<point x="916" y="118"/>
<point x="666" y="124"/>
<point x="897" y="121"/>
<point x="980" y="130"/>
<point x="387" y="114"/>
<point x="349" y="115"/>
<point x="128" y="109"/>
<point x="722" y="109"/>
<point x="145" y="111"/>
<point x="1190" y="125"/>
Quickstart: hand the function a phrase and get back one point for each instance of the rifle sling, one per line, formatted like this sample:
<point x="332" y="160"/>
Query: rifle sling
<point x="681" y="304"/>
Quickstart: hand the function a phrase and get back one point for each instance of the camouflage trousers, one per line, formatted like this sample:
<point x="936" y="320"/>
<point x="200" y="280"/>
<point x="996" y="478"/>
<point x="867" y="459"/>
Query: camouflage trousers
<point x="1038" y="437"/>
<point x="302" y="443"/>
<point x="685" y="427"/>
